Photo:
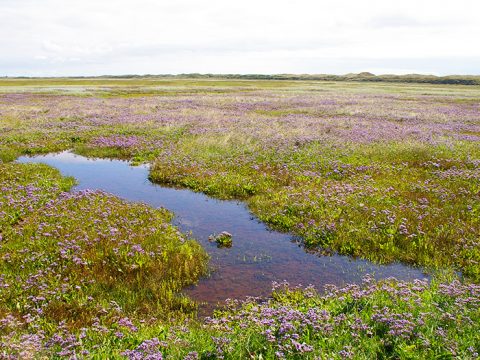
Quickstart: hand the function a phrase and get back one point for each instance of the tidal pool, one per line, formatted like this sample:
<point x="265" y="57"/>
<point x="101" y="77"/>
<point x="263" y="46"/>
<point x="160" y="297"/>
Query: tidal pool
<point x="258" y="256"/>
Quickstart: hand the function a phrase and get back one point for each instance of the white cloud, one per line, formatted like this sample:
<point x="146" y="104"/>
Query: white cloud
<point x="91" y="37"/>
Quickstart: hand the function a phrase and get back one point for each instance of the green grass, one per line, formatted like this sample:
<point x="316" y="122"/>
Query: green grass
<point x="361" y="199"/>
<point x="65" y="257"/>
<point x="366" y="202"/>
<point x="385" y="320"/>
<point x="379" y="171"/>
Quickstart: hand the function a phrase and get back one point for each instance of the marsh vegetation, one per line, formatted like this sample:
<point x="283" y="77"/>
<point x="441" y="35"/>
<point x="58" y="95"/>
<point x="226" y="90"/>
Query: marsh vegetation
<point x="384" y="172"/>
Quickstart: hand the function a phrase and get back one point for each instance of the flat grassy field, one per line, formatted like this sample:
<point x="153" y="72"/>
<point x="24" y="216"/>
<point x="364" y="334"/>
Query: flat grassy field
<point x="386" y="172"/>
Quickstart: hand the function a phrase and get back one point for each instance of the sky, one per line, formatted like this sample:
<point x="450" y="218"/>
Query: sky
<point x="114" y="37"/>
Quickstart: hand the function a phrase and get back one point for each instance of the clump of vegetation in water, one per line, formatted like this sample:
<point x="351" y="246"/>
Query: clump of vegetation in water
<point x="224" y="239"/>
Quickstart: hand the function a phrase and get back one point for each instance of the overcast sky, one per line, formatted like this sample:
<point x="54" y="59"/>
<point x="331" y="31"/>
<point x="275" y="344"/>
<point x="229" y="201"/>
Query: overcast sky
<point x="95" y="37"/>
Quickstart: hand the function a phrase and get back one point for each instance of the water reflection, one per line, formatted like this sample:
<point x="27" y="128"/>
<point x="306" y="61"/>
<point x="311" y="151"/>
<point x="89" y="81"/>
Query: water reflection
<point x="258" y="256"/>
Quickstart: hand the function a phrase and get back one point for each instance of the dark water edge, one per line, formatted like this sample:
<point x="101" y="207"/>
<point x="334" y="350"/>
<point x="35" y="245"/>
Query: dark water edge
<point x="258" y="256"/>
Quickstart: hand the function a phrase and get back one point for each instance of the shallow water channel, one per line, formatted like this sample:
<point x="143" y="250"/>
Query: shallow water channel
<point x="258" y="257"/>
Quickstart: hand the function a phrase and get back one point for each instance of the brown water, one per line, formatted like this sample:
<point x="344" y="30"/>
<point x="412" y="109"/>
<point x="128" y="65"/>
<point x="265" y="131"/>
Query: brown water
<point x="258" y="257"/>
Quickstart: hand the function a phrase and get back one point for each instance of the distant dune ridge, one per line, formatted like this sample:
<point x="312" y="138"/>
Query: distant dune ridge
<point x="362" y="76"/>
